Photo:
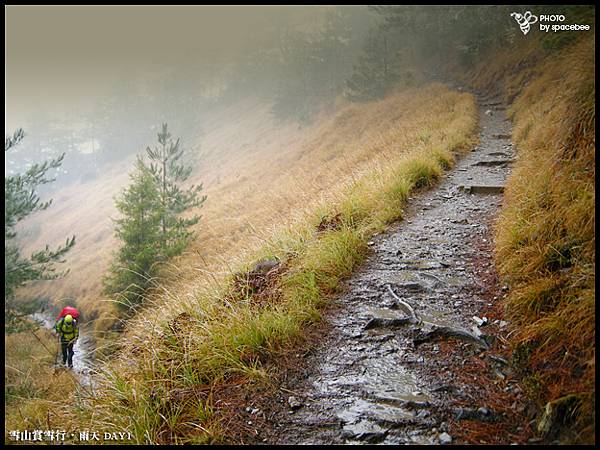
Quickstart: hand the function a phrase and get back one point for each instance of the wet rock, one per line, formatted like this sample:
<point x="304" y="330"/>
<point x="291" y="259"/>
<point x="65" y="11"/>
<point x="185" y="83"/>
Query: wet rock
<point x="411" y="404"/>
<point x="481" y="414"/>
<point x="445" y="438"/>
<point x="366" y="385"/>
<point x="265" y="266"/>
<point x="448" y="388"/>
<point x="364" y="431"/>
<point x="487" y="189"/>
<point x="450" y="333"/>
<point x="412" y="286"/>
<point x="382" y="322"/>
<point x="423" y="414"/>
<point x="294" y="403"/>
<point x="382" y="338"/>
<point x="493" y="163"/>
<point x="480" y="321"/>
<point x="476" y="332"/>
<point x="483" y="411"/>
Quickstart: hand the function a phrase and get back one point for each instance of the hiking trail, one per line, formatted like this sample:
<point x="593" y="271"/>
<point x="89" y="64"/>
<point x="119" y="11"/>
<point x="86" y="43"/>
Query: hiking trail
<point x="83" y="351"/>
<point x="377" y="376"/>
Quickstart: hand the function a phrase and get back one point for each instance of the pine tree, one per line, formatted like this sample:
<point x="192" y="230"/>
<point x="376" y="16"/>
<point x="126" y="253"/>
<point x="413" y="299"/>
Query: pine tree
<point x="169" y="173"/>
<point x="151" y="228"/>
<point x="21" y="200"/>
<point x="138" y="229"/>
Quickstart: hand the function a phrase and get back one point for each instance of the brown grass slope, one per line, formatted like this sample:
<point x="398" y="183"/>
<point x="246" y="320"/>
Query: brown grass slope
<point x="545" y="235"/>
<point x="237" y="144"/>
<point x="200" y="334"/>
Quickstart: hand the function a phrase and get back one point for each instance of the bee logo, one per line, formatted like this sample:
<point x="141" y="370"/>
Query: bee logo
<point x="524" y="20"/>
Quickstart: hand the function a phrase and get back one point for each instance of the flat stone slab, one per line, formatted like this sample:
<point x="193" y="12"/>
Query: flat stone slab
<point x="480" y="189"/>
<point x="494" y="162"/>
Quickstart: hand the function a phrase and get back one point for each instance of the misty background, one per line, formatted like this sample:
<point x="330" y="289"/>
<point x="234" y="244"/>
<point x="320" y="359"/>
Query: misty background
<point x="96" y="82"/>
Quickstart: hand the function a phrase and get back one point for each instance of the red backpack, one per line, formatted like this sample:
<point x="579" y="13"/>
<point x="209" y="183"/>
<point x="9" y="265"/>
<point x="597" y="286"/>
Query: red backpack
<point x="68" y="310"/>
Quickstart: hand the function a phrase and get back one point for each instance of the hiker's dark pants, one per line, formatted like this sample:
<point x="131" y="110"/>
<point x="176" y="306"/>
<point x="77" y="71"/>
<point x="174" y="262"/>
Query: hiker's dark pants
<point x="67" y="351"/>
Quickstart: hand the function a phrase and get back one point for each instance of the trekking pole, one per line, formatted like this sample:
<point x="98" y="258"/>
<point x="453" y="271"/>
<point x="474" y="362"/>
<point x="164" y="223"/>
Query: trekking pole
<point x="57" y="350"/>
<point x="47" y="349"/>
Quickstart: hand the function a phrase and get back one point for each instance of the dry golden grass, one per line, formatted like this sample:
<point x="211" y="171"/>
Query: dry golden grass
<point x="238" y="138"/>
<point x="31" y="386"/>
<point x="257" y="175"/>
<point x="545" y="235"/>
<point x="193" y="338"/>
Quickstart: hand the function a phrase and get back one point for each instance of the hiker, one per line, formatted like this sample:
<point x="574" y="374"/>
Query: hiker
<point x="68" y="330"/>
<point x="69" y="310"/>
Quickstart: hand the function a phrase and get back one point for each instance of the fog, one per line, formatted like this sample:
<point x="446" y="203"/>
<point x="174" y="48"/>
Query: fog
<point x="97" y="81"/>
<point x="64" y="57"/>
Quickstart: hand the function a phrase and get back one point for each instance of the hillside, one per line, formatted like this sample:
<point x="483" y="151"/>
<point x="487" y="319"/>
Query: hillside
<point x="305" y="166"/>
<point x="238" y="142"/>
<point x="415" y="264"/>
<point x="389" y="148"/>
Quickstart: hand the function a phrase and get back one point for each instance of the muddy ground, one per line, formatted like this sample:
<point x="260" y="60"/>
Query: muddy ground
<point x="368" y="376"/>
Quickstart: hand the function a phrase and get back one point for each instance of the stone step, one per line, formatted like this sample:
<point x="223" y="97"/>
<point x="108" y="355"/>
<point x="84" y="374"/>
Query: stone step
<point x="480" y="189"/>
<point x="492" y="163"/>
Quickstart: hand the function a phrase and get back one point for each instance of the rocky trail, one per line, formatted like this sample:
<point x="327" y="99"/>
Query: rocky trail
<point x="413" y="349"/>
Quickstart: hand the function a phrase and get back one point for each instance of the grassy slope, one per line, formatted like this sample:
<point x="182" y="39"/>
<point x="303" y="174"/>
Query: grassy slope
<point x="545" y="235"/>
<point x="31" y="387"/>
<point x="233" y="141"/>
<point x="200" y="334"/>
